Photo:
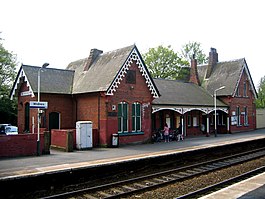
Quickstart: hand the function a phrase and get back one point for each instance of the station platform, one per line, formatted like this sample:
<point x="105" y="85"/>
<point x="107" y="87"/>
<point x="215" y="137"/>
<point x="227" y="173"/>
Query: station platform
<point x="20" y="167"/>
<point x="252" y="188"/>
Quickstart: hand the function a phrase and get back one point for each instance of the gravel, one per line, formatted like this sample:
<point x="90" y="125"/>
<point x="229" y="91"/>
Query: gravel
<point x="184" y="187"/>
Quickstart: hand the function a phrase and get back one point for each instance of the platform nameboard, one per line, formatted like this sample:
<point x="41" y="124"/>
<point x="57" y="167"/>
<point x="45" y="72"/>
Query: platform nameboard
<point x="41" y="105"/>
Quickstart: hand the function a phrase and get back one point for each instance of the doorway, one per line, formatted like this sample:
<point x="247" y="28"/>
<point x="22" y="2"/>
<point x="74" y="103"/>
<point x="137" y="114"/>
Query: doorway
<point x="54" y="120"/>
<point x="26" y="129"/>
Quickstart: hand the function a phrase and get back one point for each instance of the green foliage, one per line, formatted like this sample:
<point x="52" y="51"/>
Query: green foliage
<point x="260" y="102"/>
<point x="8" y="108"/>
<point x="163" y="62"/>
<point x="193" y="48"/>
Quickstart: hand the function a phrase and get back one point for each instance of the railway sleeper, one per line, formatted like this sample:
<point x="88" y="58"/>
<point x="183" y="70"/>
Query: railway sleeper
<point x="104" y="194"/>
<point x="88" y="196"/>
<point x="140" y="185"/>
<point x="192" y="171"/>
<point x="168" y="178"/>
<point x="220" y="164"/>
<point x="159" y="180"/>
<point x="185" y="174"/>
<point x="198" y="170"/>
<point x="118" y="191"/>
<point x="178" y="176"/>
<point x="150" y="183"/>
<point x="128" y="188"/>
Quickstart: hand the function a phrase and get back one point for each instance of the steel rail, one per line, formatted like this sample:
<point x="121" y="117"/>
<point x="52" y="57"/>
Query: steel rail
<point x="159" y="179"/>
<point x="222" y="184"/>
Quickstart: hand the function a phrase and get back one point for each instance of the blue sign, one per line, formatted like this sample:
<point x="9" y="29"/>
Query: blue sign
<point x="41" y="105"/>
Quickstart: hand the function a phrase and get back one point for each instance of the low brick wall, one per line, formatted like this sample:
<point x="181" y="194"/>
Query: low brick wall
<point x="22" y="145"/>
<point x="63" y="139"/>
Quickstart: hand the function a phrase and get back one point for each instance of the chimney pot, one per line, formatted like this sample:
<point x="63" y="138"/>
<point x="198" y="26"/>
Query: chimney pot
<point x="194" y="77"/>
<point x="94" y="53"/>
<point x="213" y="59"/>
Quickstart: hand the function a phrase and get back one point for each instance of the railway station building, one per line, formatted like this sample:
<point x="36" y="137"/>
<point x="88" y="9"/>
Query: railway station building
<point x="116" y="92"/>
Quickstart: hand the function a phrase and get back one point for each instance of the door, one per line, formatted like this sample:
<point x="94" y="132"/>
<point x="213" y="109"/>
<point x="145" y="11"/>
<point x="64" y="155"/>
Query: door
<point x="54" y="120"/>
<point x="86" y="135"/>
<point x="26" y="129"/>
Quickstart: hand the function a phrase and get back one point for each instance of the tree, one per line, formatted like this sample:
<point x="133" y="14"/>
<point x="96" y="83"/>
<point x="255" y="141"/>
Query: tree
<point x="195" y="48"/>
<point x="260" y="102"/>
<point x="163" y="62"/>
<point x="8" y="108"/>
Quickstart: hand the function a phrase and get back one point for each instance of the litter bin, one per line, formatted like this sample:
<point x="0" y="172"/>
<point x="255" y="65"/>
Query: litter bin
<point x="115" y="140"/>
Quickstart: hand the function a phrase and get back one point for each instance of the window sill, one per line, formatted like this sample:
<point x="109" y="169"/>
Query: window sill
<point x="130" y="133"/>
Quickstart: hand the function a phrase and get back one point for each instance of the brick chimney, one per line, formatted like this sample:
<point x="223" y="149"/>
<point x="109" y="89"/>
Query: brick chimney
<point x="213" y="59"/>
<point x="94" y="53"/>
<point x="194" y="77"/>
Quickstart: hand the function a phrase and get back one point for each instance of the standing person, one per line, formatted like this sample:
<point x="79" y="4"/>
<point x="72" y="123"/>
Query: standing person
<point x="180" y="136"/>
<point x="166" y="133"/>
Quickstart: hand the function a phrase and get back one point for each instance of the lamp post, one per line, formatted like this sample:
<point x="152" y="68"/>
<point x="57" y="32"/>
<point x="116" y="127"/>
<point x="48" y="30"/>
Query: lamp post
<point x="215" y="126"/>
<point x="38" y="116"/>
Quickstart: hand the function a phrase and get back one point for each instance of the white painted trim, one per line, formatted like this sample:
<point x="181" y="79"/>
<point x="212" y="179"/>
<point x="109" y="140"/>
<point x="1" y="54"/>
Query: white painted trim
<point x="21" y="75"/>
<point x="134" y="56"/>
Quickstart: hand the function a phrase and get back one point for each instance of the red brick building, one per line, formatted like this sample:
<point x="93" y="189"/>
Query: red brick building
<point x="192" y="103"/>
<point x="115" y="91"/>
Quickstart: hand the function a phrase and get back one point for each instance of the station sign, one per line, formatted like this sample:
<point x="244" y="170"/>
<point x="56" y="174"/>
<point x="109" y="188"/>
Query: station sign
<point x="25" y="93"/>
<point x="41" y="105"/>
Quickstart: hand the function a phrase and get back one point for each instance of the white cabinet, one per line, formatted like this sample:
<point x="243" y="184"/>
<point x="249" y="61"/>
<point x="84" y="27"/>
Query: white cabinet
<point x="84" y="139"/>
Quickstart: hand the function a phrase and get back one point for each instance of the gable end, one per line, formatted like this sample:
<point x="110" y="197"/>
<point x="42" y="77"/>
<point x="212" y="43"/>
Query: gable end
<point x="21" y="74"/>
<point x="245" y="68"/>
<point x="133" y="56"/>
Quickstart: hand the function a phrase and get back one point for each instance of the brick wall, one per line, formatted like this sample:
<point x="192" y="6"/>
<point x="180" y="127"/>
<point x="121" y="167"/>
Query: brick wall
<point x="242" y="101"/>
<point x="20" y="145"/>
<point x="130" y="93"/>
<point x="63" y="104"/>
<point x="59" y="138"/>
<point x="97" y="107"/>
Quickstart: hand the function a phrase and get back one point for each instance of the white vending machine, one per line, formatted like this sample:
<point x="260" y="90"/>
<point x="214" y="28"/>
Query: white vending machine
<point x="84" y="139"/>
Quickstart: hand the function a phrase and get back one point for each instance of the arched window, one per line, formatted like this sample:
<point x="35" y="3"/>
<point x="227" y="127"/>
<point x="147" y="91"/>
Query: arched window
<point x="245" y="90"/>
<point x="136" y="117"/>
<point x="123" y="117"/>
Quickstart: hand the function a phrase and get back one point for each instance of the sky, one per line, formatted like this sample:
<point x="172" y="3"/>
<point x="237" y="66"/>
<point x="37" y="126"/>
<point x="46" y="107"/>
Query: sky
<point x="61" y="31"/>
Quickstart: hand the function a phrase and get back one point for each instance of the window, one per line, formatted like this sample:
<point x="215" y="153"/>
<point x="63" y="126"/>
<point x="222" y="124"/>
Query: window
<point x="237" y="91"/>
<point x="212" y="119"/>
<point x="246" y="116"/>
<point x="189" y="120"/>
<point x="195" y="121"/>
<point x="221" y="119"/>
<point x="238" y="116"/>
<point x="131" y="77"/>
<point x="136" y="117"/>
<point x="123" y="117"/>
<point x="245" y="89"/>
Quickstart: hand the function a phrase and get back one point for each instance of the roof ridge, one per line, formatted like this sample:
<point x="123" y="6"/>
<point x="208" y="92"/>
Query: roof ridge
<point x="232" y="60"/>
<point x="58" y="69"/>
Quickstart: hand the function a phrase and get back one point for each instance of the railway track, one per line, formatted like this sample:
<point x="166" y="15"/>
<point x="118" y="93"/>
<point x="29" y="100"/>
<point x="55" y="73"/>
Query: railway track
<point x="152" y="181"/>
<point x="220" y="185"/>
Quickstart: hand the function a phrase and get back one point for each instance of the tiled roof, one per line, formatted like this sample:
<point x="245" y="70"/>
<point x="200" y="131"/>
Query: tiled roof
<point x="101" y="73"/>
<point x="223" y="74"/>
<point x="52" y="80"/>
<point x="183" y="94"/>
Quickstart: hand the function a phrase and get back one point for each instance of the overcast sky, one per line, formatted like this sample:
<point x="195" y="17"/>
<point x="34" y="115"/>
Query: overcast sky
<point x="62" y="31"/>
